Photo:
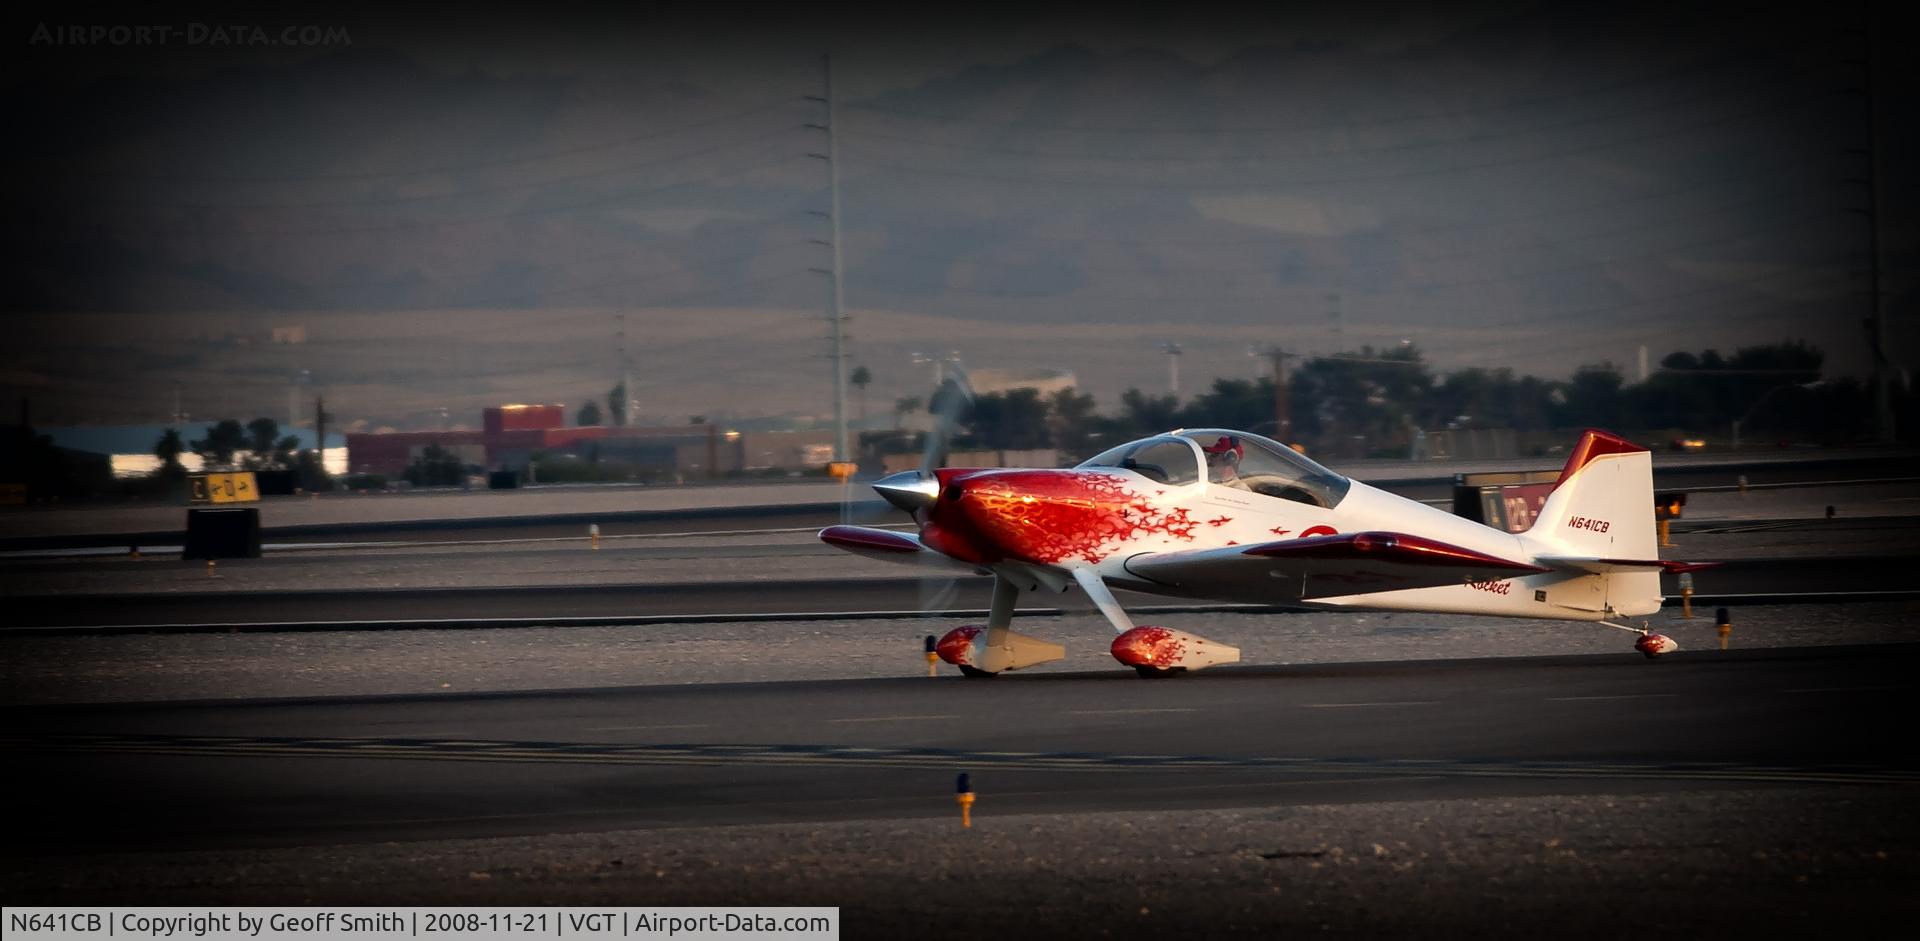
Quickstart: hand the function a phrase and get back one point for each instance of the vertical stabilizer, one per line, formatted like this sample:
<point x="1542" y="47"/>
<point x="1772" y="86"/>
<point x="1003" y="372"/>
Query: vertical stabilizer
<point x="1602" y="508"/>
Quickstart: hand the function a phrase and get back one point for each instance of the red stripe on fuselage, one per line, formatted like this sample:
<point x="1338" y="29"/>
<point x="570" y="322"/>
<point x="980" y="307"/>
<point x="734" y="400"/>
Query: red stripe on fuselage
<point x="1401" y="548"/>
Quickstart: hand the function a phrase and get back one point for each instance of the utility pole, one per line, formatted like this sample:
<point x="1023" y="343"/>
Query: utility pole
<point x="1876" y="315"/>
<point x="1173" y="352"/>
<point x="320" y="434"/>
<point x="625" y="418"/>
<point x="1283" y="421"/>
<point x="836" y="315"/>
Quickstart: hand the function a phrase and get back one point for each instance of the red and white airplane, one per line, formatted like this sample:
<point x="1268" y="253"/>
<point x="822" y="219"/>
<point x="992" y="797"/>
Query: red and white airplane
<point x="1230" y="516"/>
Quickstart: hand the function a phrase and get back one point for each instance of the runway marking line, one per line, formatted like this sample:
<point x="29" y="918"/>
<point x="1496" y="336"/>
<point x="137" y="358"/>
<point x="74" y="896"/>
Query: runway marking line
<point x="1616" y="696"/>
<point x="1843" y="689"/>
<point x="642" y="728"/>
<point x="1363" y="705"/>
<point x="1122" y="712"/>
<point x="789" y="755"/>
<point x="894" y="718"/>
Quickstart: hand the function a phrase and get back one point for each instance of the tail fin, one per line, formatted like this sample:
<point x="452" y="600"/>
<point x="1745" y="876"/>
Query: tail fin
<point x="1602" y="508"/>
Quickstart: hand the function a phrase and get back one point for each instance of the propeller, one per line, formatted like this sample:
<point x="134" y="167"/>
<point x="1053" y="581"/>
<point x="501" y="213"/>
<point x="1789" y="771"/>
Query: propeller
<point x="950" y="405"/>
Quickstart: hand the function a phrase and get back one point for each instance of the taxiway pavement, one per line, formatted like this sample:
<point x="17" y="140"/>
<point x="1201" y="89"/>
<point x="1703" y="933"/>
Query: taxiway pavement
<point x="269" y="772"/>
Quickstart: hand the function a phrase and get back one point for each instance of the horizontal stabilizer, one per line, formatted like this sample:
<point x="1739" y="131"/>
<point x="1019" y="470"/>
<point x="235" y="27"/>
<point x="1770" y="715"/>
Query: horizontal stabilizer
<point x="1324" y="566"/>
<point x="1607" y="566"/>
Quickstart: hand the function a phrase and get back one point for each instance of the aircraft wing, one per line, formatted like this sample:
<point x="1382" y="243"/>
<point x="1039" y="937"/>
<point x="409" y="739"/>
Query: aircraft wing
<point x="1324" y="566"/>
<point x="891" y="546"/>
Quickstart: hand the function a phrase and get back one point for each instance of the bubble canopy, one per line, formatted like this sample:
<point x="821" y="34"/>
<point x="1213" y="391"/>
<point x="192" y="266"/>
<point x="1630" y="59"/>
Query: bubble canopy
<point x="1263" y="466"/>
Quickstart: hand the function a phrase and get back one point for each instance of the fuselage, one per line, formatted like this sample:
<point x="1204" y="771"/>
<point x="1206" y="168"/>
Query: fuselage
<point x="1101" y="518"/>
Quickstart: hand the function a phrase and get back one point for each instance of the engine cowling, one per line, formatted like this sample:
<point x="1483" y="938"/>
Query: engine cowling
<point x="1162" y="648"/>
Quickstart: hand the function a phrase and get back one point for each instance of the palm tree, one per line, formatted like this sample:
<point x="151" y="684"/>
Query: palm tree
<point x="168" y="450"/>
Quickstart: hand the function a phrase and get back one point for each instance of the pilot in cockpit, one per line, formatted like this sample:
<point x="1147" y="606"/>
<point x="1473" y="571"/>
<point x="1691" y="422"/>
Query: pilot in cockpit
<point x="1223" y="462"/>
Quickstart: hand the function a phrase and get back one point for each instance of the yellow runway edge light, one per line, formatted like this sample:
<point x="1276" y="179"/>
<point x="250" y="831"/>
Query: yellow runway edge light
<point x="964" y="797"/>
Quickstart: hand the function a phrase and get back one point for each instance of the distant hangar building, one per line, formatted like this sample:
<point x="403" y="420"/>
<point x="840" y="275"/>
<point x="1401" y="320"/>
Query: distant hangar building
<point x="510" y="435"/>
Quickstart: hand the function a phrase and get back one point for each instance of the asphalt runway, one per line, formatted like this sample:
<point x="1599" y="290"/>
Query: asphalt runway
<point x="341" y="770"/>
<point x="1748" y="580"/>
<point x="618" y="511"/>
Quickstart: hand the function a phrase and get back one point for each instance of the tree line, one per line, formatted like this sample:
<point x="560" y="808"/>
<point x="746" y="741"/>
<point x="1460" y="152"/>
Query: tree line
<point x="1369" y="402"/>
<point x="229" y="445"/>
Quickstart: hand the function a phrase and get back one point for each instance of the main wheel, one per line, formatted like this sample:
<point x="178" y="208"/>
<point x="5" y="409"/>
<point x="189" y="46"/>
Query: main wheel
<point x="974" y="672"/>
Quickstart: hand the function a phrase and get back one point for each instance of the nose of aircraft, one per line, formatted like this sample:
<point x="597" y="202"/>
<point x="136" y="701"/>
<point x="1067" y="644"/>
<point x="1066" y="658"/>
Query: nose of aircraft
<point x="909" y="490"/>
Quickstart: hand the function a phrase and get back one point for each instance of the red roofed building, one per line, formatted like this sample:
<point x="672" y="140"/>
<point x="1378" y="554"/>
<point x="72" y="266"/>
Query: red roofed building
<point x="511" y="434"/>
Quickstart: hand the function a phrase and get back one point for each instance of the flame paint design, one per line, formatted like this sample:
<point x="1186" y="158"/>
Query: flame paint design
<point x="1053" y="516"/>
<point x="1149" y="647"/>
<point x="957" y="646"/>
<point x="1219" y="521"/>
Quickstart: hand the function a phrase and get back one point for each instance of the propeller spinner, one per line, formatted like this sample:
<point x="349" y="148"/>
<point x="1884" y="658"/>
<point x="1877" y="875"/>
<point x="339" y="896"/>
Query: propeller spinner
<point x="911" y="491"/>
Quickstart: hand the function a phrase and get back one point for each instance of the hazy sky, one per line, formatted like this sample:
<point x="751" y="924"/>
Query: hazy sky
<point x="1523" y="185"/>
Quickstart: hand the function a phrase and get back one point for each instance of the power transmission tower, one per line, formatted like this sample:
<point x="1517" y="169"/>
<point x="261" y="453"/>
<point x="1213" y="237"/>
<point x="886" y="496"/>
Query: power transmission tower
<point x="1876" y="315"/>
<point x="836" y="315"/>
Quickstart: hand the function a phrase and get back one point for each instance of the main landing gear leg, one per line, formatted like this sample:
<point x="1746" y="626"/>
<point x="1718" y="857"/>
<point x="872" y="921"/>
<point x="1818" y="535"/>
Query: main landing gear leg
<point x="982" y="652"/>
<point x="1151" y="651"/>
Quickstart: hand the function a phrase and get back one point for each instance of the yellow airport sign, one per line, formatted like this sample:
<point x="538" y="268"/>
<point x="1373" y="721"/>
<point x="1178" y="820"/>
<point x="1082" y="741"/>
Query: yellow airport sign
<point x="236" y="487"/>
